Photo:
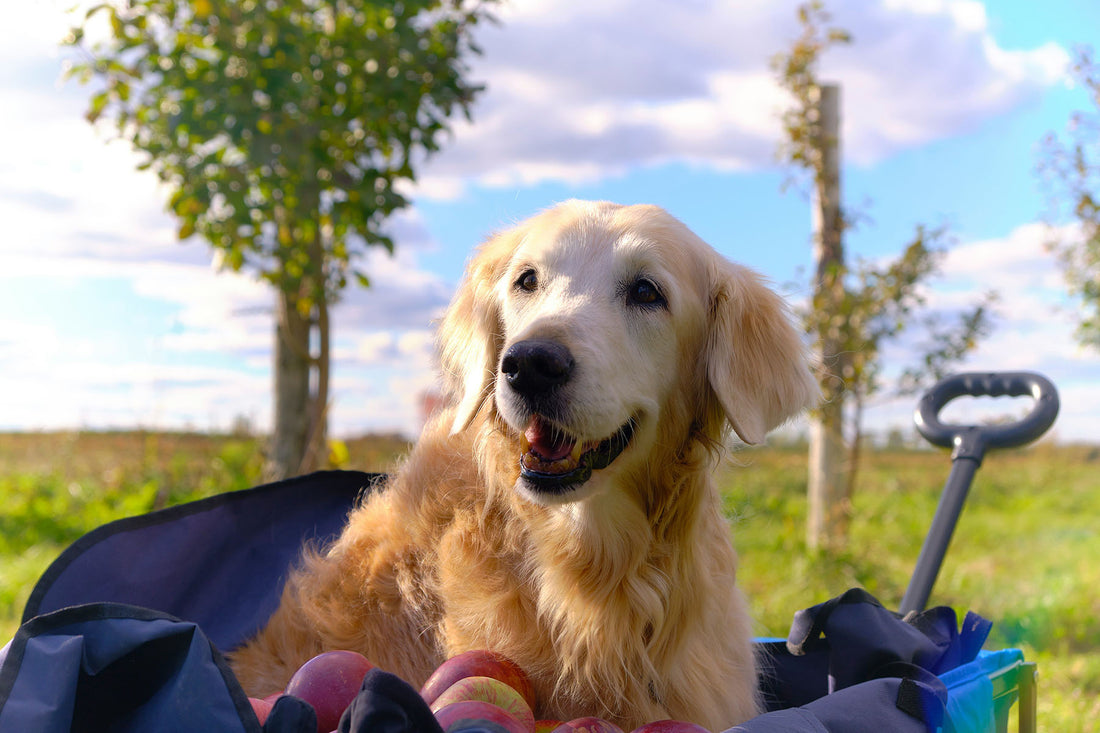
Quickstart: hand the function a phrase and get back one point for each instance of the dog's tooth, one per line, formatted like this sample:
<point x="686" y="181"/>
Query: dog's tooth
<point x="524" y="443"/>
<point x="578" y="451"/>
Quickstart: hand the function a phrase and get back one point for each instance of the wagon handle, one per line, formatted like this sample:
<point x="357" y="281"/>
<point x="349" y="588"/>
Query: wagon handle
<point x="969" y="443"/>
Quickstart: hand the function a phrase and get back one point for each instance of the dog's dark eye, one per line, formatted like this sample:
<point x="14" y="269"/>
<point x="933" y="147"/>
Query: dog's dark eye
<point x="645" y="292"/>
<point x="528" y="281"/>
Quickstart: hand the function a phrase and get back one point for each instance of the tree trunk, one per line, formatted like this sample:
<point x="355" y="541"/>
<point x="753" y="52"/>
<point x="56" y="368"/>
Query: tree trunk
<point x="291" y="379"/>
<point x="855" y="454"/>
<point x="317" y="435"/>
<point x="828" y="508"/>
<point x="317" y="439"/>
<point x="827" y="525"/>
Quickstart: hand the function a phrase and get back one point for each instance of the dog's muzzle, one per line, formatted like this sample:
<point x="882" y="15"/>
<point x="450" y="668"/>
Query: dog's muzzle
<point x="551" y="460"/>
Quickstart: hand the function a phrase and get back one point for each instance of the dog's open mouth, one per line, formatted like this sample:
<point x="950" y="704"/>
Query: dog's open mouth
<point x="555" y="462"/>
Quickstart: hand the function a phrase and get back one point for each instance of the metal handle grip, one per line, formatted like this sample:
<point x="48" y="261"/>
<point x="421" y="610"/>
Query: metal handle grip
<point x="974" y="439"/>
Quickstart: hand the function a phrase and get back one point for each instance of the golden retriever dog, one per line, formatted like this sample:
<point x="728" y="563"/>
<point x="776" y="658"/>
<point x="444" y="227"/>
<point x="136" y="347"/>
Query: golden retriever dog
<point x="560" y="510"/>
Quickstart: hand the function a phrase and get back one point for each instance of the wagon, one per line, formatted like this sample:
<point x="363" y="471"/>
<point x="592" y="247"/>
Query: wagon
<point x="123" y="631"/>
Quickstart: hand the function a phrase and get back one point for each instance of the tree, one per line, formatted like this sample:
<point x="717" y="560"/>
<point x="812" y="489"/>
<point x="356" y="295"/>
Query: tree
<point x="878" y="304"/>
<point x="1070" y="168"/>
<point x="282" y="129"/>
<point x="853" y="312"/>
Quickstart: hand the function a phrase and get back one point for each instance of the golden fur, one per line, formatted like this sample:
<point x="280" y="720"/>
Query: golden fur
<point x="617" y="596"/>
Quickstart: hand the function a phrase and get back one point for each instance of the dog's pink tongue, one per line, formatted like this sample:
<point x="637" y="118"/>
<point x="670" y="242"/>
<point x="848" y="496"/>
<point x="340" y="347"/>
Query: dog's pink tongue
<point x="547" y="442"/>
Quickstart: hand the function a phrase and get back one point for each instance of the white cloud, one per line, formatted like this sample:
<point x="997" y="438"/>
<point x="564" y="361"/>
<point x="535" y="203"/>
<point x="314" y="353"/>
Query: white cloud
<point x="969" y="15"/>
<point x="592" y="89"/>
<point x="208" y="361"/>
<point x="1033" y="331"/>
<point x="40" y="24"/>
<point x="402" y="294"/>
<point x="1023" y="271"/>
<point x="65" y="386"/>
<point x="916" y="75"/>
<point x="379" y="378"/>
<point x="183" y="344"/>
<point x="577" y="91"/>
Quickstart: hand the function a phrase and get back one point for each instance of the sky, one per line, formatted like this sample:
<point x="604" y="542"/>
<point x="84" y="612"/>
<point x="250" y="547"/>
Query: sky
<point x="107" y="321"/>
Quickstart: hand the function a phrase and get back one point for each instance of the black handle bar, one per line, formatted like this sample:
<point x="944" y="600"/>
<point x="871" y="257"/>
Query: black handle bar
<point x="970" y="443"/>
<point x="972" y="440"/>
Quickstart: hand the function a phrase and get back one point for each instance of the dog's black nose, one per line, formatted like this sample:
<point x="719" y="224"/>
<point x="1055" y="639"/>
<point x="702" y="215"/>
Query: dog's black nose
<point x="536" y="366"/>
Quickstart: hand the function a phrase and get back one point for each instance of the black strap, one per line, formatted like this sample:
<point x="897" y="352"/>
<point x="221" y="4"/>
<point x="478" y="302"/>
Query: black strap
<point x="922" y="701"/>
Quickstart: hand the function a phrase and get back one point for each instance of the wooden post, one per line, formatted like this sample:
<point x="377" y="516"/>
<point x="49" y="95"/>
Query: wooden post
<point x="826" y="213"/>
<point x="827" y="490"/>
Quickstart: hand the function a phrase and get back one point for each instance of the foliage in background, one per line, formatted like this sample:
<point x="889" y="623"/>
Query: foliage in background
<point x="800" y="150"/>
<point x="878" y="305"/>
<point x="283" y="131"/>
<point x="1070" y="168"/>
<point x="856" y="311"/>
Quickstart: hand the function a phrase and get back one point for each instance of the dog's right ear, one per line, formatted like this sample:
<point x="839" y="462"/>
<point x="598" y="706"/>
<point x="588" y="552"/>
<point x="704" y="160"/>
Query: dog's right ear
<point x="757" y="364"/>
<point x="471" y="335"/>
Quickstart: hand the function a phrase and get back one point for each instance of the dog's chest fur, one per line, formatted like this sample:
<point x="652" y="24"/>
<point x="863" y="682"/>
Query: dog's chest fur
<point x="587" y="599"/>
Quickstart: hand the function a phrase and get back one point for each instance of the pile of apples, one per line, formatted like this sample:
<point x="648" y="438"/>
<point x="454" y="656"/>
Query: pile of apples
<point x="467" y="689"/>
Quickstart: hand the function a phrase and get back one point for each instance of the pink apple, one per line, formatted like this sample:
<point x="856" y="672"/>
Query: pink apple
<point x="478" y="663"/>
<point x="329" y="682"/>
<point x="670" y="726"/>
<point x="493" y="691"/>
<point x="261" y="707"/>
<point x="588" y="725"/>
<point x="456" y="716"/>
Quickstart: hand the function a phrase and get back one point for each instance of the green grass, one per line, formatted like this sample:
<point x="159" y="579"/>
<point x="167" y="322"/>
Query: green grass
<point x="1024" y="554"/>
<point x="55" y="487"/>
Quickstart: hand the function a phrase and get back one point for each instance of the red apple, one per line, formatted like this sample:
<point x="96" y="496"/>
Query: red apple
<point x="329" y="682"/>
<point x="491" y="691"/>
<point x="547" y="725"/>
<point x="460" y="715"/>
<point x="670" y="726"/>
<point x="478" y="663"/>
<point x="261" y="707"/>
<point x="588" y="725"/>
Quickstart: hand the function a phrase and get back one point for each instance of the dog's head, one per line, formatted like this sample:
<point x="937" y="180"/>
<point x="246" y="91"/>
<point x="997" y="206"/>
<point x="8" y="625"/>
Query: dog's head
<point x="594" y="331"/>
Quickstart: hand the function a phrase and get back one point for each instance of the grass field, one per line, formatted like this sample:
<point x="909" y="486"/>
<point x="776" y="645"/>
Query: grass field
<point x="1024" y="555"/>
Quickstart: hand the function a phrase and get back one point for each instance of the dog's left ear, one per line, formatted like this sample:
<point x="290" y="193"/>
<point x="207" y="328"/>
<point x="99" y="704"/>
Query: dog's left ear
<point x="470" y="335"/>
<point x="757" y="364"/>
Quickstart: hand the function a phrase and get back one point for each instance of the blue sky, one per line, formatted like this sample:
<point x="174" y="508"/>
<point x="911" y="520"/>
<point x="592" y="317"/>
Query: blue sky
<point x="107" y="321"/>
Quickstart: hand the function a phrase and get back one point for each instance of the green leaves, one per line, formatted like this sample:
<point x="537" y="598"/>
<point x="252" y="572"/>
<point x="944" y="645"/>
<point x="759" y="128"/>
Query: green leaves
<point x="282" y="127"/>
<point x="1069" y="169"/>
<point x="873" y="304"/>
<point x="797" y="73"/>
<point x="857" y="311"/>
